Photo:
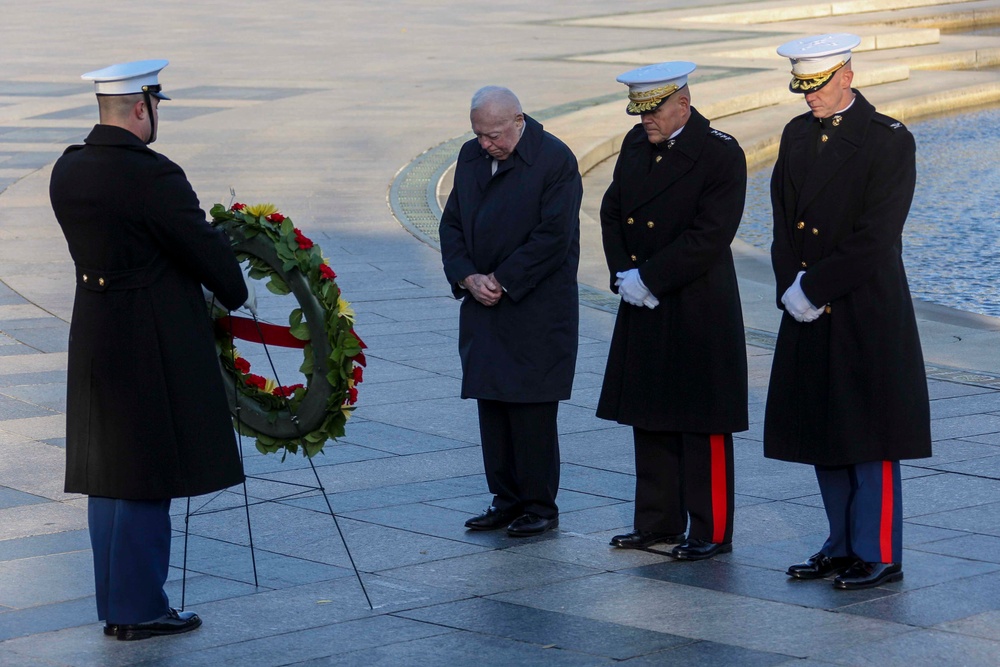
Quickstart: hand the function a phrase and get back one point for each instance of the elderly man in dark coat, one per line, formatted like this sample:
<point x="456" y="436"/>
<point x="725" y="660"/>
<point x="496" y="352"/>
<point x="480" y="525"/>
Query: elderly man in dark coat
<point x="848" y="393"/>
<point x="510" y="244"/>
<point x="677" y="368"/>
<point x="147" y="418"/>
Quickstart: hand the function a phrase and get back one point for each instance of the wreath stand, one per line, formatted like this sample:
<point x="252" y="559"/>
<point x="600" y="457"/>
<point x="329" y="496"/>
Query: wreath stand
<point x="245" y="410"/>
<point x="303" y="491"/>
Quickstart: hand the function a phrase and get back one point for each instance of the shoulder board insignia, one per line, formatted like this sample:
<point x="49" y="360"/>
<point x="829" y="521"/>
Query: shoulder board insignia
<point x="721" y="135"/>
<point x="891" y="123"/>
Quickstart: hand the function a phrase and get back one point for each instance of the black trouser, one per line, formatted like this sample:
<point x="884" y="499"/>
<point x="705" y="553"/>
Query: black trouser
<point x="682" y="475"/>
<point x="521" y="455"/>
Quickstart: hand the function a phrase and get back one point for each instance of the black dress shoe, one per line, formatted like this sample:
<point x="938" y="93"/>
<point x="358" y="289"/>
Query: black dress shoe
<point x="531" y="524"/>
<point x="820" y="566"/>
<point x="493" y="518"/>
<point x="110" y="630"/>
<point x="173" y="623"/>
<point x="695" y="549"/>
<point x="868" y="575"/>
<point x="640" y="539"/>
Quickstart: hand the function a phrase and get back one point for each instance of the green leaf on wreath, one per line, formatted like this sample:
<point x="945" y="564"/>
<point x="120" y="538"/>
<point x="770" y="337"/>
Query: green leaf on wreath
<point x="300" y="331"/>
<point x="278" y="286"/>
<point x="217" y="210"/>
<point x="287" y="227"/>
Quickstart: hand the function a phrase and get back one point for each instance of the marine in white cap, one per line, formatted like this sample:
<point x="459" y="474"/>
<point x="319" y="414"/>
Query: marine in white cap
<point x="848" y="393"/>
<point x="676" y="369"/>
<point x="118" y="86"/>
<point x="146" y="411"/>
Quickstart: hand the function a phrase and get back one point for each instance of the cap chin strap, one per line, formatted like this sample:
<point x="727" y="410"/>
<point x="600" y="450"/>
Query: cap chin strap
<point x="152" y="123"/>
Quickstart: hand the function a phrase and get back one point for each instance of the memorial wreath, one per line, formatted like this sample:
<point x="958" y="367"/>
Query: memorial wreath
<point x="289" y="416"/>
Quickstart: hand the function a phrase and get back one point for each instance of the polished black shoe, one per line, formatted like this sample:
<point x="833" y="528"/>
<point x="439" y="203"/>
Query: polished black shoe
<point x="695" y="549"/>
<point x="531" y="524"/>
<point x="173" y="623"/>
<point x="868" y="575"/>
<point x="820" y="566"/>
<point x="640" y="539"/>
<point x="493" y="518"/>
<point x="110" y="630"/>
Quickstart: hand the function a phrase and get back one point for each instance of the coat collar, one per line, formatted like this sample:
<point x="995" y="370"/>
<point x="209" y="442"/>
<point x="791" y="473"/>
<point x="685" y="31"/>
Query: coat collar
<point x="642" y="185"/>
<point x="850" y="136"/>
<point x="112" y="135"/>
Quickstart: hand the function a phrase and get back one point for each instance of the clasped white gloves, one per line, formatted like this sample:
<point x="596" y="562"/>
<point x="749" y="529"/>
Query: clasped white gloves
<point x="634" y="291"/>
<point x="797" y="304"/>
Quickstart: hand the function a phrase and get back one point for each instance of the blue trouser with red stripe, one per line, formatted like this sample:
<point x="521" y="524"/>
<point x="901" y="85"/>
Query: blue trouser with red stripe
<point x="864" y="506"/>
<point x="684" y="475"/>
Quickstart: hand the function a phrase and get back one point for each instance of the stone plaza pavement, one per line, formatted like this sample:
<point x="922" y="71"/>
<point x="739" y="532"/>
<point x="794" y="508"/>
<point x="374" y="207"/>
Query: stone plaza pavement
<point x="327" y="111"/>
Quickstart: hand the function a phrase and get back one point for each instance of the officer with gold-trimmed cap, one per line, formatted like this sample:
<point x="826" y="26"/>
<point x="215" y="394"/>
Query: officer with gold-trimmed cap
<point x="816" y="59"/>
<point x="146" y="411"/>
<point x="650" y="86"/>
<point x="677" y="369"/>
<point x="848" y="393"/>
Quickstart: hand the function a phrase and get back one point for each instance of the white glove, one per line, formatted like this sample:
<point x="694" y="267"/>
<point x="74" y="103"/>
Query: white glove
<point x="651" y="302"/>
<point x="251" y="302"/>
<point x="632" y="289"/>
<point x="797" y="304"/>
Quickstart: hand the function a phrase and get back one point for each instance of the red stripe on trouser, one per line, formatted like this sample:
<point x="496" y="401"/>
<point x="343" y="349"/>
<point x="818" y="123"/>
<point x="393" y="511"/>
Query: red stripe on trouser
<point x="885" y="528"/>
<point x="719" y="494"/>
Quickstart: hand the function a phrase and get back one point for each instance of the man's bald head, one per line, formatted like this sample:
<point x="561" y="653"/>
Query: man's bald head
<point x="497" y="120"/>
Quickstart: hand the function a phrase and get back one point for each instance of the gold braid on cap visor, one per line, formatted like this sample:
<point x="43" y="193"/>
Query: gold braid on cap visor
<point x="650" y="99"/>
<point x="809" y="82"/>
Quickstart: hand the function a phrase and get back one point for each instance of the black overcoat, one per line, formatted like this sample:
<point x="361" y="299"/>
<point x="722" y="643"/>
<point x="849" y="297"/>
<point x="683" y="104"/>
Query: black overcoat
<point x="146" y="415"/>
<point x="523" y="225"/>
<point x="681" y="366"/>
<point x="849" y="387"/>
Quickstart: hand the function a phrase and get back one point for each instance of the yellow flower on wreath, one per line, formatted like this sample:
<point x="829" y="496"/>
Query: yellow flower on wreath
<point x="260" y="210"/>
<point x="344" y="309"/>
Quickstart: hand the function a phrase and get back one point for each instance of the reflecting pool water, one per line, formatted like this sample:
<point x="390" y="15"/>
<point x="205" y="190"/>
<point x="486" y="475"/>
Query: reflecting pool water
<point x="951" y="243"/>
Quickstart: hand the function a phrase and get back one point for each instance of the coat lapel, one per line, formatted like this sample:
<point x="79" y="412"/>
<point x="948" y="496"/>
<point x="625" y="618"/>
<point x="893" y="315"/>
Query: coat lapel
<point x="843" y="146"/>
<point x="638" y="186"/>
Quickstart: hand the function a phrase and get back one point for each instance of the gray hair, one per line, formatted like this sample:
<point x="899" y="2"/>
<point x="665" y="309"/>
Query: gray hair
<point x="489" y="96"/>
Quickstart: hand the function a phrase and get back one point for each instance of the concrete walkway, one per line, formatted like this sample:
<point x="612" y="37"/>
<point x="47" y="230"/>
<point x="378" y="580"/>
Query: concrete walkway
<point x="317" y="108"/>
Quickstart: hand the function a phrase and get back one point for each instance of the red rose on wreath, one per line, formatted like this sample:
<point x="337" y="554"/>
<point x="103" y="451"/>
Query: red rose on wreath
<point x="242" y="365"/>
<point x="358" y="375"/>
<point x="352" y="396"/>
<point x="285" y="392"/>
<point x="275" y="217"/>
<point x="304" y="243"/>
<point x="326" y="272"/>
<point x="256" y="381"/>
<point x="238" y="206"/>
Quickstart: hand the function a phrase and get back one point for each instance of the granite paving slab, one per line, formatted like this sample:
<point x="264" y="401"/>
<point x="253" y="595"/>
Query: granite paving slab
<point x="555" y="630"/>
<point x="703" y="614"/>
<point x="491" y="572"/>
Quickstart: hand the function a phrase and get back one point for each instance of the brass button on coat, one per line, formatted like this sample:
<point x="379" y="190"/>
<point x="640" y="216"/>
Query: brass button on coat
<point x="630" y="221"/>
<point x="828" y="310"/>
<point x="650" y="224"/>
<point x="659" y="157"/>
<point x="800" y="225"/>
<point x="815" y="232"/>
<point x="100" y="281"/>
<point x="633" y="258"/>
<point x="85" y="277"/>
<point x="803" y="265"/>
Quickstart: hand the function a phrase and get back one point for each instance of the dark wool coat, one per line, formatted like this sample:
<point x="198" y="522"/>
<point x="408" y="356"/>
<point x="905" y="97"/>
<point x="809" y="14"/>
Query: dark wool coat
<point x="849" y="387"/>
<point x="523" y="225"/>
<point x="681" y="366"/>
<point x="146" y="414"/>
